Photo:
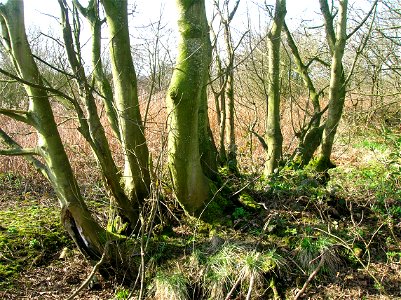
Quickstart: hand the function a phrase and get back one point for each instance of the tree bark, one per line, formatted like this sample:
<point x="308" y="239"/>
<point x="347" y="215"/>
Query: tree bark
<point x="95" y="133"/>
<point x="274" y="138"/>
<point x="337" y="91"/>
<point x="136" y="155"/>
<point x="184" y="99"/>
<point x="86" y="232"/>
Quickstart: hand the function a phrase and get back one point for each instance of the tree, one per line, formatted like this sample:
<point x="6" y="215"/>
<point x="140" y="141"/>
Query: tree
<point x="127" y="188"/>
<point x="309" y="134"/>
<point x="274" y="138"/>
<point x="336" y="40"/>
<point x="184" y="100"/>
<point x="224" y="95"/>
<point x="85" y="231"/>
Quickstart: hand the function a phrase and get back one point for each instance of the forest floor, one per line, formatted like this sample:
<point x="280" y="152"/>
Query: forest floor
<point x="345" y="228"/>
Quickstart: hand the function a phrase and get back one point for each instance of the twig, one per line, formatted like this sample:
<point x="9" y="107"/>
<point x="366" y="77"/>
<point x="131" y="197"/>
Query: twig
<point x="310" y="278"/>
<point x="94" y="270"/>
<point x="233" y="288"/>
<point x="366" y="267"/>
<point x="251" y="282"/>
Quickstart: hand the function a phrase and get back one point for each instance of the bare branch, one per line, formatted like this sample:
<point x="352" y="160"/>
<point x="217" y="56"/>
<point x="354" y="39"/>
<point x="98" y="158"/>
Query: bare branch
<point x="18" y="115"/>
<point x="234" y="10"/>
<point x="92" y="273"/>
<point x="53" y="67"/>
<point x="363" y="21"/>
<point x="10" y="142"/>
<point x="361" y="47"/>
<point x="38" y="86"/>
<point x="310" y="278"/>
<point x="19" y="152"/>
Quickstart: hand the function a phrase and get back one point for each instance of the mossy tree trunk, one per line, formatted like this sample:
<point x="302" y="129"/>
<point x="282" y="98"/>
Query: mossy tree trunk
<point x="86" y="232"/>
<point x="274" y="137"/>
<point x="337" y="41"/>
<point x="92" y="15"/>
<point x="136" y="172"/>
<point x="90" y="120"/>
<point x="184" y="99"/>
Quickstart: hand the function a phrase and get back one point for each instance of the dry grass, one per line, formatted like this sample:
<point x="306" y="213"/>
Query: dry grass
<point x="250" y="153"/>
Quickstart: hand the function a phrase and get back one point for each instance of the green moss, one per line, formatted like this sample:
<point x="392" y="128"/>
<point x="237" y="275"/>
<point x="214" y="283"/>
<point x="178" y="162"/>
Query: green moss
<point x="321" y="164"/>
<point x="30" y="232"/>
<point x="248" y="201"/>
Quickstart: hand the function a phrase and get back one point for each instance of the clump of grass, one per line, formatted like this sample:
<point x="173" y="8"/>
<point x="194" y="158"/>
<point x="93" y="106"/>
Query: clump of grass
<point x="170" y="286"/>
<point x="311" y="251"/>
<point x="238" y="269"/>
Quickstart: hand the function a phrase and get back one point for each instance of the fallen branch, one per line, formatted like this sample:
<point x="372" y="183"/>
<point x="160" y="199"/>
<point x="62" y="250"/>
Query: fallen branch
<point x="310" y="278"/>
<point x="87" y="280"/>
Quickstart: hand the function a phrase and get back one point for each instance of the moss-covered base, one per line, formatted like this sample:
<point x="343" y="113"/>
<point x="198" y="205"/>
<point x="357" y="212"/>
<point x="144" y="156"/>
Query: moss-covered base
<point x="214" y="210"/>
<point x="321" y="164"/>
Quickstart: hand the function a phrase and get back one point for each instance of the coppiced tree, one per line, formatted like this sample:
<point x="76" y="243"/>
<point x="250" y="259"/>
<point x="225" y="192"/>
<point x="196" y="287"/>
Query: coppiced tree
<point x="309" y="135"/>
<point x="53" y="162"/>
<point x="128" y="186"/>
<point x="336" y="40"/>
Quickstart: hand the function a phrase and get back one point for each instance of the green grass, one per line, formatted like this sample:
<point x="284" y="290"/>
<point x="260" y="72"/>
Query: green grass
<point x="30" y="232"/>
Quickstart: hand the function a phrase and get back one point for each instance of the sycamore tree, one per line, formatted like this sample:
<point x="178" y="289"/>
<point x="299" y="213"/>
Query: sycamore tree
<point x="127" y="186"/>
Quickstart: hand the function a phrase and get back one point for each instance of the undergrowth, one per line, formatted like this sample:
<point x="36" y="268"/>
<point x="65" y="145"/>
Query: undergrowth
<point x="298" y="229"/>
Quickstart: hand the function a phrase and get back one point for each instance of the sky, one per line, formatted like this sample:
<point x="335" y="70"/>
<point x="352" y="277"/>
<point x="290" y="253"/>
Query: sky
<point x="37" y="12"/>
<point x="42" y="16"/>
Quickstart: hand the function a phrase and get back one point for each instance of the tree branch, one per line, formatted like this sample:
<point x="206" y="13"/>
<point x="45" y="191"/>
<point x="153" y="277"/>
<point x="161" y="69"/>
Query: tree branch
<point x="310" y="278"/>
<point x="38" y="86"/>
<point x="94" y="270"/>
<point x="363" y="21"/>
<point x="53" y="67"/>
<point x="9" y="141"/>
<point x="232" y="13"/>
<point x="19" y="151"/>
<point x="18" y="115"/>
<point x="361" y="47"/>
<point x="261" y="140"/>
<point x="328" y="22"/>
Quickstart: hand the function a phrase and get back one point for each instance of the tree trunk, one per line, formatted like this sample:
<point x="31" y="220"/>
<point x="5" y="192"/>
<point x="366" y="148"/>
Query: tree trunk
<point x="184" y="99"/>
<point x="95" y="133"/>
<point x="91" y="13"/>
<point x="311" y="135"/>
<point x="86" y="232"/>
<point x="337" y="82"/>
<point x="274" y="138"/>
<point x="136" y="155"/>
<point x="207" y="147"/>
